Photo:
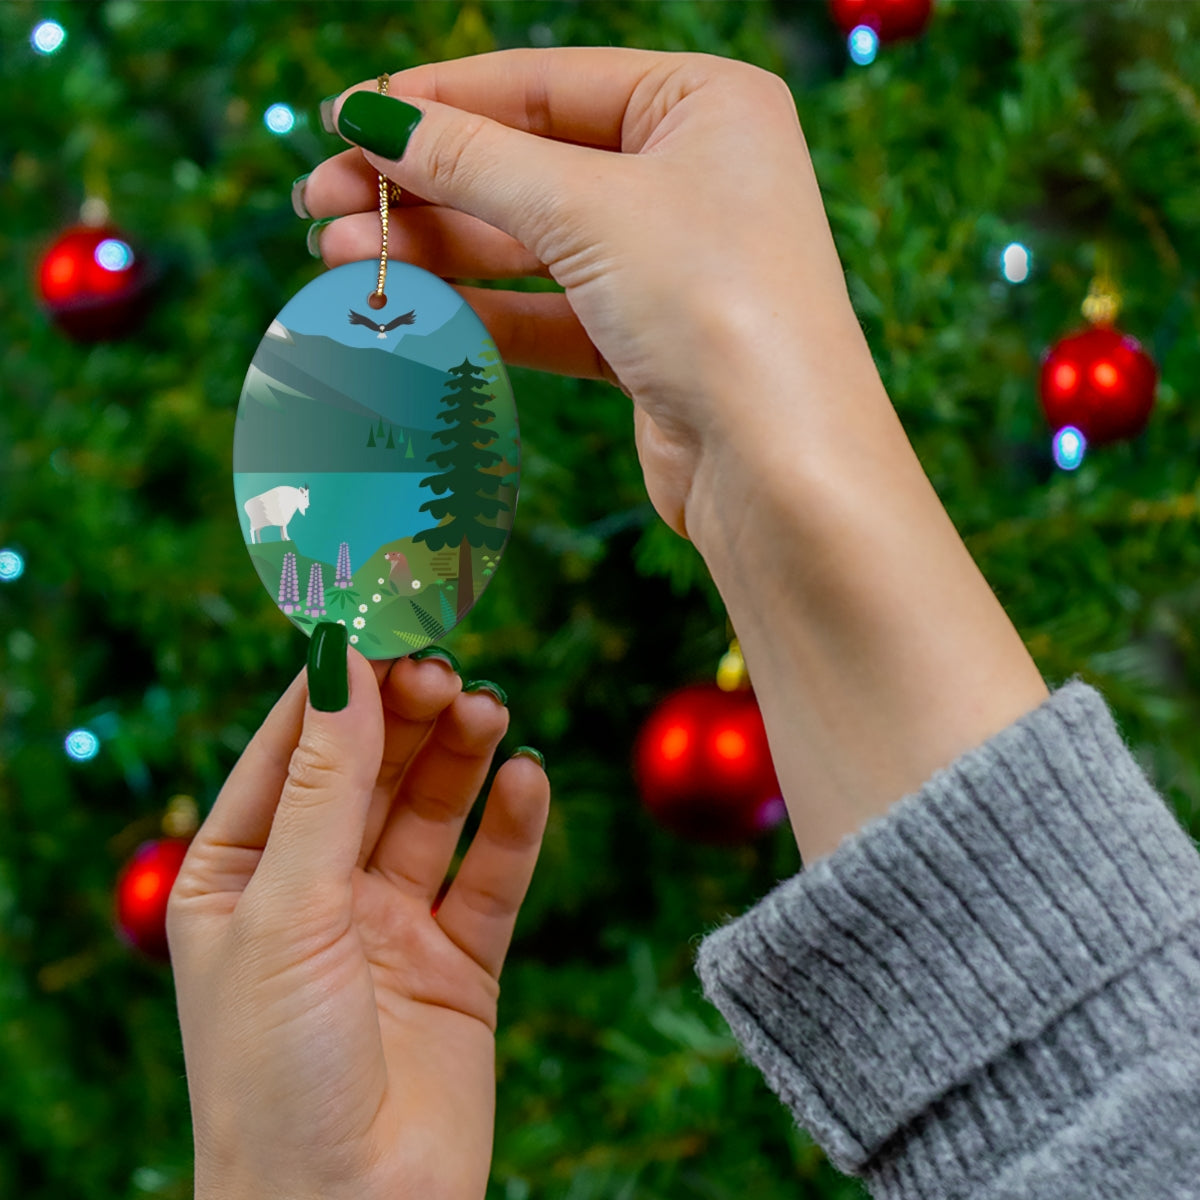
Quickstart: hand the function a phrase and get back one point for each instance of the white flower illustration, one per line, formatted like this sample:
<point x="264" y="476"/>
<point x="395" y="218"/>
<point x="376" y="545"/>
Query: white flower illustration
<point x="416" y="583"/>
<point x="341" y="620"/>
<point x="354" y="639"/>
<point x="379" y="581"/>
<point x="362" y="608"/>
<point x="359" y="622"/>
<point x="377" y="597"/>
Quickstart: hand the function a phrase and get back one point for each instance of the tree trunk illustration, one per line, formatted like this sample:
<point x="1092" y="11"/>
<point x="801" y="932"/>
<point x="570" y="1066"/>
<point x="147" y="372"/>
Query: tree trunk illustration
<point x="466" y="580"/>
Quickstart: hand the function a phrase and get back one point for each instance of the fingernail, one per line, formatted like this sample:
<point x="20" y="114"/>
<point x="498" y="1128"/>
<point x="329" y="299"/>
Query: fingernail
<point x="486" y="685"/>
<point x="530" y="752"/>
<point x="313" y="238"/>
<point x="377" y="123"/>
<point x="328" y="675"/>
<point x="298" y="205"/>
<point x="439" y="653"/>
<point x="326" y="111"/>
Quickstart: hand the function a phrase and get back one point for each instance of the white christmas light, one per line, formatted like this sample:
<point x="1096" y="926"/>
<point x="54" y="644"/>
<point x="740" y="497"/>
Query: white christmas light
<point x="82" y="745"/>
<point x="1069" y="447"/>
<point x="47" y="36"/>
<point x="863" y="44"/>
<point x="114" y="255"/>
<point x="1015" y="263"/>
<point x="279" y="118"/>
<point x="12" y="566"/>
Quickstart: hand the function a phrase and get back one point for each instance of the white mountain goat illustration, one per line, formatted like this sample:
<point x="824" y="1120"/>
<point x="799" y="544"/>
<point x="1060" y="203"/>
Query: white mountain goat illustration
<point x="275" y="508"/>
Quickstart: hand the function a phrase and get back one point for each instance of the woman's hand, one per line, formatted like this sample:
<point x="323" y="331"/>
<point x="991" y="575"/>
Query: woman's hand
<point x="673" y="197"/>
<point x="691" y="258"/>
<point x="339" y="1037"/>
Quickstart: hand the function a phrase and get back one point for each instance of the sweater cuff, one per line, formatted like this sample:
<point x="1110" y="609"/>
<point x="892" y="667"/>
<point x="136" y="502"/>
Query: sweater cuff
<point x="1018" y="882"/>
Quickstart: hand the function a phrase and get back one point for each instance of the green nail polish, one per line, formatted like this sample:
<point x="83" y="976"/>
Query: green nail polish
<point x="326" y="111"/>
<point x="438" y="652"/>
<point x="313" y="238"/>
<point x="377" y="123"/>
<point x="529" y="752"/>
<point x="328" y="675"/>
<point x="486" y="685"/>
<point x="298" y="205"/>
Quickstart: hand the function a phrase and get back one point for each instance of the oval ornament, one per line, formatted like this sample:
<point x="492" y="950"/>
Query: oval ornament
<point x="376" y="458"/>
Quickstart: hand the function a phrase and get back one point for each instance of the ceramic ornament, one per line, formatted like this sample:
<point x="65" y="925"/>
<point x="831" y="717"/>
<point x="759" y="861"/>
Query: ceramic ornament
<point x="376" y="458"/>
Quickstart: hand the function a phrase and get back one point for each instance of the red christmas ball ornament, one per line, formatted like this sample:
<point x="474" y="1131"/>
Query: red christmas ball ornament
<point x="93" y="283"/>
<point x="892" y="20"/>
<point x="1101" y="381"/>
<point x="704" y="769"/>
<point x="142" y="891"/>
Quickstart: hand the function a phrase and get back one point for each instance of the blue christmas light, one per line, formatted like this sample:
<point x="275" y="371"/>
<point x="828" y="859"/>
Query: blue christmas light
<point x="47" y="37"/>
<point x="12" y="566"/>
<point x="1015" y="263"/>
<point x="114" y="255"/>
<point x="279" y="119"/>
<point x="82" y="745"/>
<point x="863" y="44"/>
<point x="1069" y="447"/>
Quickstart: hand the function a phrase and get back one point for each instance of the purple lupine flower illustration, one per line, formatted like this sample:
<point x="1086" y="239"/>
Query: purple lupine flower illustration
<point x="316" y="592"/>
<point x="289" y="585"/>
<point x="343" y="566"/>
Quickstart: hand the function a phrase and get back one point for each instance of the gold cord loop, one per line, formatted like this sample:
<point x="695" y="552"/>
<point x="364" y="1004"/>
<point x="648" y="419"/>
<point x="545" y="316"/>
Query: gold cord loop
<point x="388" y="191"/>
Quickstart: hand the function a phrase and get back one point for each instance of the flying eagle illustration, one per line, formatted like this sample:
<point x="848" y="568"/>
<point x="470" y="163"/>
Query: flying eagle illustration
<point x="407" y="318"/>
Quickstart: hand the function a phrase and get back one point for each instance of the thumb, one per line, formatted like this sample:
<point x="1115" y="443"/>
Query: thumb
<point x="317" y="831"/>
<point x="515" y="181"/>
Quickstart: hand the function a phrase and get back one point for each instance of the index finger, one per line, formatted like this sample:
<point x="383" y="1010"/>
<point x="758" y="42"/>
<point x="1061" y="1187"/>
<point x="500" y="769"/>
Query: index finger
<point x="577" y="94"/>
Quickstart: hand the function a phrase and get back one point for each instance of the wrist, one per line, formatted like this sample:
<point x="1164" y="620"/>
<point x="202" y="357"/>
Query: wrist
<point x="792" y="434"/>
<point x="877" y="650"/>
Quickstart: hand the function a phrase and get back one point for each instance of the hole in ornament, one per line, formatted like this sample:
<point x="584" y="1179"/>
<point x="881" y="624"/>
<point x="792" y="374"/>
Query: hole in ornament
<point x="376" y="300"/>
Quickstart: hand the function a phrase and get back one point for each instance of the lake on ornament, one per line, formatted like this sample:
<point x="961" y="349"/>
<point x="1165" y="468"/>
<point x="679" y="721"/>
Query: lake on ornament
<point x="376" y="458"/>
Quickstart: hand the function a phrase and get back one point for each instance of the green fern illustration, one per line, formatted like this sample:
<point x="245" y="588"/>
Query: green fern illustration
<point x="431" y="627"/>
<point x="415" y="640"/>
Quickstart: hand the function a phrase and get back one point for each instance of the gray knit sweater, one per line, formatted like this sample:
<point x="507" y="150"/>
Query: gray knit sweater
<point x="993" y="990"/>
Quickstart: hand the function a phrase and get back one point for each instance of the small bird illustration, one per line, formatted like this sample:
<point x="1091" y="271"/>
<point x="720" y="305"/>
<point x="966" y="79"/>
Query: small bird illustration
<point x="356" y="318"/>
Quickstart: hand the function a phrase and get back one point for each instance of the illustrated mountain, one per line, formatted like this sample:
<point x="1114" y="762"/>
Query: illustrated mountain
<point x="295" y="412"/>
<point x="443" y="348"/>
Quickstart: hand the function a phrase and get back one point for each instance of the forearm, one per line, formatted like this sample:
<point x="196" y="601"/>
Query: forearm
<point x="877" y="649"/>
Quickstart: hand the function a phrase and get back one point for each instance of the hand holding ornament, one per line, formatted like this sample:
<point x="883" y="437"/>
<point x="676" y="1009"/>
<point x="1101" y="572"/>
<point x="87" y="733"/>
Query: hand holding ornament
<point x="673" y="198"/>
<point x="671" y="195"/>
<point x="339" y="1032"/>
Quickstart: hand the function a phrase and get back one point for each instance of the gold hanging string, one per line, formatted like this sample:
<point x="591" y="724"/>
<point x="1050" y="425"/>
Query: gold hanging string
<point x="731" y="673"/>
<point x="388" y="193"/>
<point x="1103" y="303"/>
<point x="182" y="817"/>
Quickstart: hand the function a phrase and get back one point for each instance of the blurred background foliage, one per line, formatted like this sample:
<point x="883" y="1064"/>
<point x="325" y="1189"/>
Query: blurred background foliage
<point x="1069" y="127"/>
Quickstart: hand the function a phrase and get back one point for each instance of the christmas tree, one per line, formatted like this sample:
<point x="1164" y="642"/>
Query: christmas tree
<point x="1061" y="128"/>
